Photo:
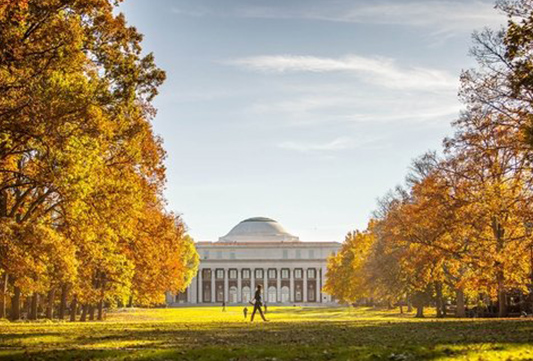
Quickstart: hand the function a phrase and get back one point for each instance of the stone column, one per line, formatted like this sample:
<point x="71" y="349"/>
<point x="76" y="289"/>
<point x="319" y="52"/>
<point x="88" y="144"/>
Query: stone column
<point x="239" y="286"/>
<point x="252" y="283"/>
<point x="291" y="288"/>
<point x="318" y="285"/>
<point x="305" y="284"/>
<point x="278" y="285"/>
<point x="322" y="282"/>
<point x="213" y="291"/>
<point x="192" y="289"/>
<point x="226" y="285"/>
<point x="200" y="292"/>
<point x="265" y="287"/>
<point x="169" y="297"/>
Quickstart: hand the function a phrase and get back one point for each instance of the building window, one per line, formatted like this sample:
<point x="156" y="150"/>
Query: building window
<point x="311" y="253"/>
<point x="206" y="274"/>
<point x="298" y="254"/>
<point x="220" y="293"/>
<point x="311" y="293"/>
<point x="284" y="273"/>
<point x="232" y="274"/>
<point x="232" y="255"/>
<point x="298" y="273"/>
<point x="220" y="273"/>
<point x="246" y="274"/>
<point x="298" y="294"/>
<point x="207" y="293"/>
<point x="206" y="254"/>
<point x="285" y="253"/>
<point x="259" y="273"/>
<point x="271" y="273"/>
<point x="311" y="273"/>
<point x="219" y="254"/>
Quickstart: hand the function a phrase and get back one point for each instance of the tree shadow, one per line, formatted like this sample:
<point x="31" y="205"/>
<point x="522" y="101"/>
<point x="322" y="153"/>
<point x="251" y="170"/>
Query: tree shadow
<point x="323" y="340"/>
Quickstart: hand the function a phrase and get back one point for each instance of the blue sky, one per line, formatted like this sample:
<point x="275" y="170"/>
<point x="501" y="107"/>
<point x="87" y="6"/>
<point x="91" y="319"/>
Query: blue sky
<point x="304" y="111"/>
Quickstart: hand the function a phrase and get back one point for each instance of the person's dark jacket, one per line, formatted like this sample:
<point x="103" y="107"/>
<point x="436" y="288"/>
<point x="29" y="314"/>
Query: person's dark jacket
<point x="257" y="297"/>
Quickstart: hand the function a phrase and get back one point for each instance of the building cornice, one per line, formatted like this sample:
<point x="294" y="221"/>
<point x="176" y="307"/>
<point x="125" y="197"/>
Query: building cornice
<point x="268" y="245"/>
<point x="289" y="260"/>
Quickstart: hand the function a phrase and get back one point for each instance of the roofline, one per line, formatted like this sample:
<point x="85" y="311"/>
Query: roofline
<point x="260" y="244"/>
<point x="203" y="262"/>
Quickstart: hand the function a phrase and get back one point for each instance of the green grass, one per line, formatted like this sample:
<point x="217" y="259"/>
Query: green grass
<point x="294" y="333"/>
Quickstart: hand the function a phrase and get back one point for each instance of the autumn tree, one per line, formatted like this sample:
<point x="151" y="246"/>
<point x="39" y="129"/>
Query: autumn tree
<point x="79" y="163"/>
<point x="346" y="279"/>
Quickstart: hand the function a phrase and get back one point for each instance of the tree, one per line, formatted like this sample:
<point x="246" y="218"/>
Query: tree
<point x="346" y="279"/>
<point x="79" y="163"/>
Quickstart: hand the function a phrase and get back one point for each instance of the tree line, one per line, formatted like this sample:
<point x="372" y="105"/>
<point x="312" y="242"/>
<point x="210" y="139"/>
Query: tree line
<point x="82" y="217"/>
<point x="460" y="230"/>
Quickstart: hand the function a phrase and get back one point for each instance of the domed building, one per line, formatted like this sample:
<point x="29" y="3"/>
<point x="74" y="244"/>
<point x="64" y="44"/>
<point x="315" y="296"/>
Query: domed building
<point x="258" y="229"/>
<point x="259" y="251"/>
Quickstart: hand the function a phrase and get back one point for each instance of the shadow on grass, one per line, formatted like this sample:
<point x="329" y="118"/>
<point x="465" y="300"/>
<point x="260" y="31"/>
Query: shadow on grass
<point x="324" y="340"/>
<point x="324" y="313"/>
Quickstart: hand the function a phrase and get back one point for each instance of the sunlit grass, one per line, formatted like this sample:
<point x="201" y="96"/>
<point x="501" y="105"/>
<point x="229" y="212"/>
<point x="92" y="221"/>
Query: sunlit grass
<point x="293" y="333"/>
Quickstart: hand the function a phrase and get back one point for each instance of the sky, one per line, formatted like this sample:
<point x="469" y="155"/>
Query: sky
<point x="304" y="111"/>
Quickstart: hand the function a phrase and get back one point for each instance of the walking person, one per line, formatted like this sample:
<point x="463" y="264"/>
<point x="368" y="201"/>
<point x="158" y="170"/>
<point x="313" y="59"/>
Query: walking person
<point x="223" y="306"/>
<point x="257" y="304"/>
<point x="245" y="312"/>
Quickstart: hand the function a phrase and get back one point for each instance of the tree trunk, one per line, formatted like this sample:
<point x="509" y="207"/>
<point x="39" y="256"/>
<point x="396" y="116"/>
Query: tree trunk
<point x="15" y="304"/>
<point x="438" y="296"/>
<point x="3" y="297"/>
<point x="499" y="233"/>
<point x="63" y="304"/>
<point x="50" y="304"/>
<point x="130" y="302"/>
<point x="420" y="311"/>
<point x="73" y="309"/>
<point x="27" y="307"/>
<point x="102" y="297"/>
<point x="101" y="310"/>
<point x="401" y="309"/>
<point x="502" y="297"/>
<point x="91" y="312"/>
<point x="83" y="317"/>
<point x="460" y="295"/>
<point x="419" y="301"/>
<point x="33" y="307"/>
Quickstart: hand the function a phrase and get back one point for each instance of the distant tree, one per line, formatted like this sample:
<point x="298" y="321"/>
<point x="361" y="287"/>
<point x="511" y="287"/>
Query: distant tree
<point x="346" y="279"/>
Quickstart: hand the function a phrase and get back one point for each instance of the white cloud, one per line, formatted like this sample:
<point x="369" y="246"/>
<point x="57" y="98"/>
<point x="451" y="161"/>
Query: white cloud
<point x="411" y="113"/>
<point x="193" y="12"/>
<point x="440" y="16"/>
<point x="445" y="15"/>
<point x="377" y="70"/>
<point x="352" y="106"/>
<point x="338" y="144"/>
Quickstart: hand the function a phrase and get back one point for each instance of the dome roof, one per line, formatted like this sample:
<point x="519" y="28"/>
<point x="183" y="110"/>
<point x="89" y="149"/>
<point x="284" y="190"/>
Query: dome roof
<point x="258" y="229"/>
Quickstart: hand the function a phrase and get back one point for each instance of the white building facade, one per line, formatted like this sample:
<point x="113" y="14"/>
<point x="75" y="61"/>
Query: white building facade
<point x="258" y="251"/>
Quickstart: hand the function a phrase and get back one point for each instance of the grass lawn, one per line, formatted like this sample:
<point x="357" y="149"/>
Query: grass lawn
<point x="294" y="333"/>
